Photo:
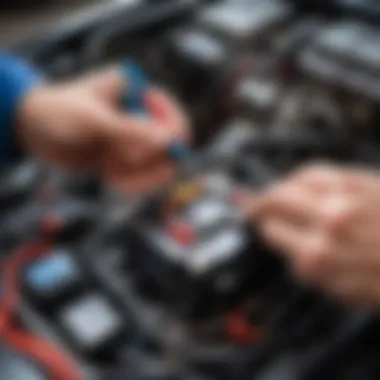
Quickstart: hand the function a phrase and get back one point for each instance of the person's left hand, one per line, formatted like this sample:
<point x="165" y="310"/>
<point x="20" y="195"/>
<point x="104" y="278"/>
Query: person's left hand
<point x="81" y="125"/>
<point x="326" y="221"/>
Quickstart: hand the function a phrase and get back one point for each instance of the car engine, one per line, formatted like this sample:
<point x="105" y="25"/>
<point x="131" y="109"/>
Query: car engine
<point x="176" y="284"/>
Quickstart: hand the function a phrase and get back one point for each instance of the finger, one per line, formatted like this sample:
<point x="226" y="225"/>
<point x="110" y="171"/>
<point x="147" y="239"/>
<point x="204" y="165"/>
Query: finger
<point x="330" y="178"/>
<point x="168" y="113"/>
<point x="306" y="250"/>
<point x="319" y="177"/>
<point x="362" y="258"/>
<point x="283" y="236"/>
<point x="351" y="256"/>
<point x="143" y="181"/>
<point x="246" y="201"/>
<point x="138" y="141"/>
<point x="112" y="167"/>
<point x="339" y="214"/>
<point x="82" y="162"/>
<point x="74" y="157"/>
<point x="346" y="288"/>
<point x="371" y="289"/>
<point x="289" y="202"/>
<point x="122" y="163"/>
<point x="108" y="84"/>
<point x="354" y="289"/>
<point x="311" y="255"/>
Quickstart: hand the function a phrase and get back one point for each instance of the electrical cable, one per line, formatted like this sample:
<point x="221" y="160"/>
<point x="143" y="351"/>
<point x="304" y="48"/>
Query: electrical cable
<point x="95" y="44"/>
<point x="58" y="366"/>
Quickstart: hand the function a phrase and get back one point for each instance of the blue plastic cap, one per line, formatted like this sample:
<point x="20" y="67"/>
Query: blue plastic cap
<point x="178" y="151"/>
<point x="138" y="83"/>
<point x="52" y="272"/>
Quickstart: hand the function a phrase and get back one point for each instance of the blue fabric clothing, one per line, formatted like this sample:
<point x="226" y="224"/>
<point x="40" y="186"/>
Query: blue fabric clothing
<point x="16" y="79"/>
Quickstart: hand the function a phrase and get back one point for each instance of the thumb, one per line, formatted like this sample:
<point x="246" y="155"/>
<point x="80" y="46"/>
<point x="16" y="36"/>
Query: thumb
<point x="109" y="85"/>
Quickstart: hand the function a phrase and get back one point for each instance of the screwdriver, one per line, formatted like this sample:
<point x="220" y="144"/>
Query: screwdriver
<point x="133" y="101"/>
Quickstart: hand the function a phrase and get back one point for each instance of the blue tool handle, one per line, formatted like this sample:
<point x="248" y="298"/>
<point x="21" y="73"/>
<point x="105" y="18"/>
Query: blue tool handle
<point x="137" y="83"/>
<point x="133" y="100"/>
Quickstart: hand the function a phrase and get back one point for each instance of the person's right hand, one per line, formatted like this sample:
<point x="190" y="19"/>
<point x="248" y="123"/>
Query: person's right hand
<point x="81" y="125"/>
<point x="326" y="222"/>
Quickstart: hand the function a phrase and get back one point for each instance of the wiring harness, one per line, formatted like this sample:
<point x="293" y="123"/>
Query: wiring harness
<point x="50" y="357"/>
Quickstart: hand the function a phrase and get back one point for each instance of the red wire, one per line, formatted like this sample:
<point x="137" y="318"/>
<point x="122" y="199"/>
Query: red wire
<point x="11" y="270"/>
<point x="52" y="359"/>
<point x="240" y="331"/>
<point x="58" y="366"/>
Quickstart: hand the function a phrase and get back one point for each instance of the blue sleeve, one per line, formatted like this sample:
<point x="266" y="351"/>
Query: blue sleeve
<point x="16" y="79"/>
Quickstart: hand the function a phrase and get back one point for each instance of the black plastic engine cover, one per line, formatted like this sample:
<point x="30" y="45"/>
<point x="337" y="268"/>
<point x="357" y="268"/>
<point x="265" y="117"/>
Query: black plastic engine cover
<point x="202" y="260"/>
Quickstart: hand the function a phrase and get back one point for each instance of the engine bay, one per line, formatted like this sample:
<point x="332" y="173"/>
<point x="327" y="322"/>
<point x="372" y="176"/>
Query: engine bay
<point x="177" y="285"/>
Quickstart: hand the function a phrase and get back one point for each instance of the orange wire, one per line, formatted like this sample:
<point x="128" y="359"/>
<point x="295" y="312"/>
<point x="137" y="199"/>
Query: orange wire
<point x="44" y="352"/>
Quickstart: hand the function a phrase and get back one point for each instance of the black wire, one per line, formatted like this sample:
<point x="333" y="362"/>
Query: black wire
<point x="147" y="16"/>
<point x="345" y="335"/>
<point x="296" y="145"/>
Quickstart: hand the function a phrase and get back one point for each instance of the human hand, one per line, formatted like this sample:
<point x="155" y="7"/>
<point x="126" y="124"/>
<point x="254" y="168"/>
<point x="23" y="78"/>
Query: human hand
<point x="326" y="222"/>
<point x="81" y="125"/>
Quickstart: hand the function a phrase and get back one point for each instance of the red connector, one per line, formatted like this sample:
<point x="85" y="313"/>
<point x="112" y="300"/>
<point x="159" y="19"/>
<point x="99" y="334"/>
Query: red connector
<point x="240" y="331"/>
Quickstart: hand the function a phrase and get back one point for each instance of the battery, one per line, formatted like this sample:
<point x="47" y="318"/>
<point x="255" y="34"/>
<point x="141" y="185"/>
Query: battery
<point x="211" y="240"/>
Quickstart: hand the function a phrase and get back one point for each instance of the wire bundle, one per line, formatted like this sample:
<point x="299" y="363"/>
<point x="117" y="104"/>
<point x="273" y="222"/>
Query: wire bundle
<point x="51" y="359"/>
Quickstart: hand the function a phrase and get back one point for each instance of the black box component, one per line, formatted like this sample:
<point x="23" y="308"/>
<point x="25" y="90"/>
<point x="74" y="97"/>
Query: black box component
<point x="346" y="54"/>
<point x="19" y="184"/>
<point x="200" y="69"/>
<point x="366" y="10"/>
<point x="84" y="186"/>
<point x="245" y="23"/>
<point x="343" y="62"/>
<point x="257" y="98"/>
<point x="52" y="279"/>
<point x="94" y="326"/>
<point x="195" y="253"/>
<point x="19" y="225"/>
<point x="69" y="220"/>
<point x="195" y="61"/>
